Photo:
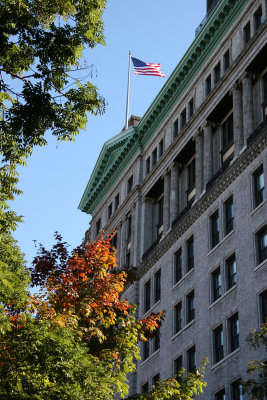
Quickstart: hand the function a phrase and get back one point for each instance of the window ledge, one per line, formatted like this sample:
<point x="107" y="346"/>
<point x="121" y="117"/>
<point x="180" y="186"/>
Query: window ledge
<point x="260" y="265"/>
<point x="225" y="359"/>
<point x="222" y="297"/>
<point x="182" y="330"/>
<point x="258" y="207"/>
<point x="221" y="242"/>
<point x="182" y="279"/>
<point x="149" y="358"/>
<point x="146" y="314"/>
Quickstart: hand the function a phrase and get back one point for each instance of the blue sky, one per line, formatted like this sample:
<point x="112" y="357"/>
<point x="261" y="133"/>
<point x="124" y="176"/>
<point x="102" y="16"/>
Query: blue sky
<point x="56" y="175"/>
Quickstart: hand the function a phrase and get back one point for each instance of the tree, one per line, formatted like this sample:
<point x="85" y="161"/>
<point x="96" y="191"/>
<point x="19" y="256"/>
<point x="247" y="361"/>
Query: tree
<point x="257" y="386"/>
<point x="78" y="338"/>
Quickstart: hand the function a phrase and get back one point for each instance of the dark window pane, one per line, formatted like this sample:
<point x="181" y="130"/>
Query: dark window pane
<point x="117" y="201"/>
<point x="236" y="389"/>
<point x="262" y="244"/>
<point x="234" y="332"/>
<point x="217" y="73"/>
<point x="258" y="18"/>
<point x="98" y="226"/>
<point x="178" y="266"/>
<point x="191" y="174"/>
<point x="191" y="108"/>
<point x="147" y="165"/>
<point x="190" y="254"/>
<point x="246" y="33"/>
<point x="154" y="157"/>
<point x="263" y="306"/>
<point x="231" y="272"/>
<point x="190" y="307"/>
<point x="175" y="128"/>
<point x="226" y="61"/>
<point x="145" y="388"/>
<point x="218" y="344"/>
<point x="155" y="379"/>
<point x="156" y="340"/>
<point x="130" y="184"/>
<point x="214" y="229"/>
<point x="229" y="216"/>
<point x="220" y="395"/>
<point x="157" y="286"/>
<point x="259" y="191"/>
<point x="178" y="365"/>
<point x="160" y="148"/>
<point x="146" y="349"/>
<point x="208" y="85"/>
<point x="147" y="295"/>
<point x="183" y="118"/>
<point x="191" y="359"/>
<point x="178" y="317"/>
<point x="217" y="284"/>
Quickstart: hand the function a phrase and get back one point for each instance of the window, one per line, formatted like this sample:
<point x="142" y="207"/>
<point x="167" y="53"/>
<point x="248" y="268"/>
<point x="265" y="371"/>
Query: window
<point x="261" y="241"/>
<point x="231" y="272"/>
<point x="117" y="201"/>
<point x="156" y="340"/>
<point x="226" y="60"/>
<point x="236" y="390"/>
<point x="214" y="227"/>
<point x="227" y="139"/>
<point x="263" y="306"/>
<point x="258" y="19"/>
<point x="208" y="85"/>
<point x="229" y="215"/>
<point x="128" y="228"/>
<point x="178" y="365"/>
<point x="191" y="359"/>
<point x="264" y="96"/>
<point x="98" y="226"/>
<point x="178" y="317"/>
<point x="190" y="253"/>
<point x="114" y="240"/>
<point x="146" y="349"/>
<point x="191" y="108"/>
<point x="109" y="210"/>
<point x="190" y="305"/>
<point x="160" y="148"/>
<point x="220" y="395"/>
<point x="258" y="181"/>
<point x="160" y="217"/>
<point x="145" y="388"/>
<point x="157" y="279"/>
<point x="128" y="258"/>
<point x="218" y="344"/>
<point x="154" y="157"/>
<point x="147" y="165"/>
<point x="234" y="332"/>
<point x="217" y="73"/>
<point x="246" y="33"/>
<point x="155" y="379"/>
<point x="216" y="284"/>
<point x="147" y="295"/>
<point x="175" y="128"/>
<point x="191" y="174"/>
<point x="130" y="184"/>
<point x="177" y="266"/>
<point x="183" y="118"/>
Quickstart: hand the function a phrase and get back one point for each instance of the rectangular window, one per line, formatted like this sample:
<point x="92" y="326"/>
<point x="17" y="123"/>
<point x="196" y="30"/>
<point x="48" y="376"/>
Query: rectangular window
<point x="146" y="349"/>
<point x="114" y="241"/>
<point x="117" y="201"/>
<point x="191" y="174"/>
<point x="191" y="108"/>
<point x="177" y="266"/>
<point x="128" y="228"/>
<point x="208" y="85"/>
<point x="226" y="60"/>
<point x="264" y="96"/>
<point x="214" y="228"/>
<point x="216" y="284"/>
<point x="98" y="226"/>
<point x="147" y="295"/>
<point x="109" y="210"/>
<point x="156" y="340"/>
<point x="246" y="33"/>
<point x="220" y="395"/>
<point x="258" y="19"/>
<point x="261" y="241"/>
<point x="157" y="286"/>
<point x="160" y="217"/>
<point x="231" y="272"/>
<point x="175" y="128"/>
<point x="236" y="390"/>
<point x="130" y="184"/>
<point x="147" y="165"/>
<point x="160" y="148"/>
<point x="258" y="181"/>
<point x="183" y="118"/>
<point x="178" y="318"/>
<point x="227" y="139"/>
<point x="263" y="306"/>
<point x="155" y="379"/>
<point x="229" y="215"/>
<point x="128" y="258"/>
<point x="145" y="388"/>
<point x="234" y="332"/>
<point x="190" y="253"/>
<point x="217" y="73"/>
<point x="154" y="157"/>
<point x="190" y="306"/>
<point x="191" y="359"/>
<point x="218" y="344"/>
<point x="178" y="365"/>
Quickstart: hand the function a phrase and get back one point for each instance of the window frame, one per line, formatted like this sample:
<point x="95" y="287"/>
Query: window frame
<point x="226" y="60"/>
<point x="214" y="229"/>
<point x="261" y="251"/>
<point x="147" y="165"/>
<point x="208" y="85"/>
<point x="190" y="262"/>
<point x="218" y="344"/>
<point x="236" y="390"/>
<point x="157" y="286"/>
<point x="217" y="73"/>
<point x="175" y="128"/>
<point x="234" y="332"/>
<point x="216" y="284"/>
<point x="191" y="359"/>
<point x="178" y="317"/>
<point x="229" y="216"/>
<point x="154" y="155"/>
<point x="247" y="33"/>
<point x="130" y="184"/>
<point x="178" y="265"/>
<point x="147" y="295"/>
<point x="263" y="306"/>
<point x="258" y="19"/>
<point x="258" y="188"/>
<point x="231" y="272"/>
<point x="190" y="307"/>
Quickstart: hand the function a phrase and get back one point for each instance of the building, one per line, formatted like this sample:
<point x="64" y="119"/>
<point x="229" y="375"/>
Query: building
<point x="185" y="189"/>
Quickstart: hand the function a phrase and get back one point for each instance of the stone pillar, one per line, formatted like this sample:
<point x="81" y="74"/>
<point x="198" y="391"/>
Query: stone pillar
<point x="237" y="118"/>
<point x="264" y="10"/>
<point x="166" y="203"/>
<point x="174" y="196"/>
<point x="199" y="163"/>
<point x="248" y="118"/>
<point x="122" y="242"/>
<point x="208" y="152"/>
<point x="146" y="224"/>
<point x="137" y="229"/>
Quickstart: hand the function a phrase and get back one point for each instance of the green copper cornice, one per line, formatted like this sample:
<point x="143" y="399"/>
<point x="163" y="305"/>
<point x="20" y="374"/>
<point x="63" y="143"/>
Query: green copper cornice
<point x="118" y="152"/>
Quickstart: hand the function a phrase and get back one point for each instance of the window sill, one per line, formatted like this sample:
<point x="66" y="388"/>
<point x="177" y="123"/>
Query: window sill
<point x="149" y="358"/>
<point x="258" y="207"/>
<point x="221" y="242"/>
<point x="182" y="279"/>
<point x="182" y="330"/>
<point x="222" y="297"/>
<point x="225" y="359"/>
<point x="146" y="314"/>
<point x="260" y="265"/>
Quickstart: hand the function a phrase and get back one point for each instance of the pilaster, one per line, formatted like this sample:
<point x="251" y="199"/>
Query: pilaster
<point x="247" y="97"/>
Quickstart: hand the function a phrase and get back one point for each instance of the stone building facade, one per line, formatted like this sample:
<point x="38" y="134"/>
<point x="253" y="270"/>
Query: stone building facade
<point x="184" y="188"/>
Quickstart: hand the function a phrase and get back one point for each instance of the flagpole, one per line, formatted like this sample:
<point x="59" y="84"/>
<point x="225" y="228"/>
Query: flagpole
<point x="128" y="92"/>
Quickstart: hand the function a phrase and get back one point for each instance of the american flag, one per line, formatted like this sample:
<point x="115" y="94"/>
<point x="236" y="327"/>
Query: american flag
<point x="142" y="68"/>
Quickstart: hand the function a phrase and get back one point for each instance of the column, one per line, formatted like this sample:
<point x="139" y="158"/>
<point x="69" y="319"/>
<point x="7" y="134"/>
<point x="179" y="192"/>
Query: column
<point x="264" y="10"/>
<point x="174" y="196"/>
<point x="237" y="118"/>
<point x="208" y="153"/>
<point x="166" y="203"/>
<point x="122" y="241"/>
<point x="146" y="224"/>
<point x="199" y="163"/>
<point x="137" y="230"/>
<point x="248" y="118"/>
